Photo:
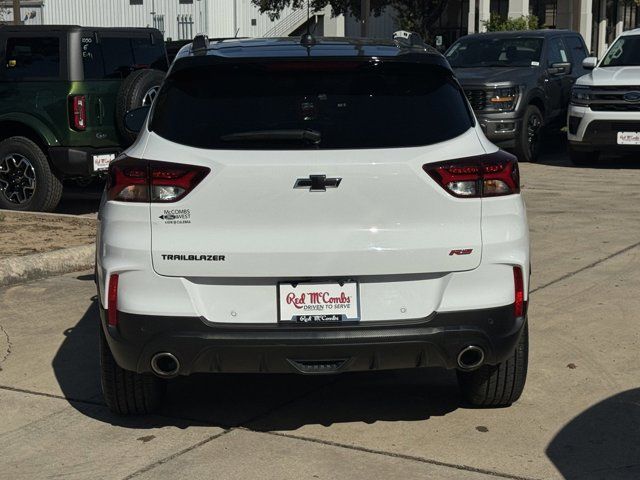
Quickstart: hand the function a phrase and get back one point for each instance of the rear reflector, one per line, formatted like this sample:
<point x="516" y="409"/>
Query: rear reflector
<point x="78" y="117"/>
<point x="112" y="301"/>
<point x="133" y="180"/>
<point x="518" y="280"/>
<point x="491" y="175"/>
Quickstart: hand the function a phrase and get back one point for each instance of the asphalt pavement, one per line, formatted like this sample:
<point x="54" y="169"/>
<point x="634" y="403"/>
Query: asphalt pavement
<point x="579" y="417"/>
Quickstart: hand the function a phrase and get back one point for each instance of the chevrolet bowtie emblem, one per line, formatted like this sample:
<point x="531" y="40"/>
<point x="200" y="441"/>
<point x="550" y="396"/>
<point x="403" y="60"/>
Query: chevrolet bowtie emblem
<point x="317" y="183"/>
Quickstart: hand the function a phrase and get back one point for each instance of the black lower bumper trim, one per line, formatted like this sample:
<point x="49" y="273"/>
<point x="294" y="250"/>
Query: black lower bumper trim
<point x="204" y="347"/>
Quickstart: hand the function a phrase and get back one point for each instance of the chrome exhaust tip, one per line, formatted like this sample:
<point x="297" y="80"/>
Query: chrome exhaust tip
<point x="470" y="357"/>
<point x="165" y="365"/>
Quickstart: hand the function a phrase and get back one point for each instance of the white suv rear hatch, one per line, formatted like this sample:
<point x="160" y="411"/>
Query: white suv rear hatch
<point x="376" y="126"/>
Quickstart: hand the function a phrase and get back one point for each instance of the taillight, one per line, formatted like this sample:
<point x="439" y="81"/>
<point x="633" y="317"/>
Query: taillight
<point x="112" y="301"/>
<point x="518" y="281"/>
<point x="78" y="117"/>
<point x="133" y="180"/>
<point x="489" y="175"/>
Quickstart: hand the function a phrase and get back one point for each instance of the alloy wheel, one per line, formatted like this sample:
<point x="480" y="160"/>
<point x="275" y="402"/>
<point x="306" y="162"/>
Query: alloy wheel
<point x="534" y="125"/>
<point x="17" y="178"/>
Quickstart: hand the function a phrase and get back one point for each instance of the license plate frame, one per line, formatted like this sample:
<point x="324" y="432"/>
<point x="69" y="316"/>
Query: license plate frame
<point x="101" y="161"/>
<point x="628" y="138"/>
<point x="345" y="313"/>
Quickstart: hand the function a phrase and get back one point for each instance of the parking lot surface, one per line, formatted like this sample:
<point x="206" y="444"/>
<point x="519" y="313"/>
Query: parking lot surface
<point x="579" y="417"/>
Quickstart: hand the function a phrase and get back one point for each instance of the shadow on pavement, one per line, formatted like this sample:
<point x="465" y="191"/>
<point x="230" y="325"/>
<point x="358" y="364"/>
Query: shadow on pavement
<point x="80" y="199"/>
<point x="603" y="442"/>
<point x="260" y="402"/>
<point x="554" y="152"/>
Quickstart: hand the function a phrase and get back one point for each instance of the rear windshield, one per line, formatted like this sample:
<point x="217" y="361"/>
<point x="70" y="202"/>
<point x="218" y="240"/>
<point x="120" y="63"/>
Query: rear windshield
<point x="117" y="57"/>
<point x="291" y="105"/>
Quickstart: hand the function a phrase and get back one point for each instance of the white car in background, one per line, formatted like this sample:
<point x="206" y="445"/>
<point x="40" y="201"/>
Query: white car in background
<point x="311" y="206"/>
<point x="604" y="114"/>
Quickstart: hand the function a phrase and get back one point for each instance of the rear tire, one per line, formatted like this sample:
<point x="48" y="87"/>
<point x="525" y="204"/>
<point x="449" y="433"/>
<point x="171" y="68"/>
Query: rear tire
<point x="527" y="147"/>
<point x="498" y="385"/>
<point x="137" y="90"/>
<point x="125" y="392"/>
<point x="27" y="182"/>
<point x="583" y="159"/>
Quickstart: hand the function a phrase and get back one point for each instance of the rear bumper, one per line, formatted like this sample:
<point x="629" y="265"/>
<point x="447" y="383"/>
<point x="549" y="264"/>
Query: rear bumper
<point x="78" y="161"/>
<point x="203" y="347"/>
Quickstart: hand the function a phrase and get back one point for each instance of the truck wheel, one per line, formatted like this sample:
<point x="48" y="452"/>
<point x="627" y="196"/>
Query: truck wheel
<point x="26" y="179"/>
<point x="138" y="90"/>
<point x="498" y="385"/>
<point x="125" y="392"/>
<point x="528" y="141"/>
<point x="583" y="159"/>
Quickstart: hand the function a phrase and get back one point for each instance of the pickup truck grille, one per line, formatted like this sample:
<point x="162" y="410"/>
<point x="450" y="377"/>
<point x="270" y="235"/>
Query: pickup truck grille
<point x="477" y="99"/>
<point x="611" y="99"/>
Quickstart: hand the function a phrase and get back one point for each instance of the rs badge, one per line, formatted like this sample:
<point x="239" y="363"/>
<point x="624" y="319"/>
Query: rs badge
<point x="464" y="251"/>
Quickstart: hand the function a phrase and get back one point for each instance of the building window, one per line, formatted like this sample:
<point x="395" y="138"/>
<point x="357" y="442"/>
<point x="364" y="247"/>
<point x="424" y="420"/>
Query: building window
<point x="186" y="1"/>
<point x="136" y="2"/>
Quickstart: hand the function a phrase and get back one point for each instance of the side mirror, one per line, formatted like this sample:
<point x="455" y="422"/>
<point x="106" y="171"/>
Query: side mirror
<point x="590" y="63"/>
<point x="134" y="119"/>
<point x="563" y="68"/>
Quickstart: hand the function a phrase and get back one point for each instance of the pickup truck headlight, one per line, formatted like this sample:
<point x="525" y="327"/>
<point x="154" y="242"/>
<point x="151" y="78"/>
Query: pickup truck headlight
<point x="581" y="96"/>
<point x="502" y="99"/>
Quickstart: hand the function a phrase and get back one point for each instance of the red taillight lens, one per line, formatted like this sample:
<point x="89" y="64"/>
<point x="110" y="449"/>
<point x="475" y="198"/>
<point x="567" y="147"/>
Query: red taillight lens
<point x="78" y="117"/>
<point x="112" y="301"/>
<point x="490" y="175"/>
<point x="518" y="281"/>
<point x="133" y="180"/>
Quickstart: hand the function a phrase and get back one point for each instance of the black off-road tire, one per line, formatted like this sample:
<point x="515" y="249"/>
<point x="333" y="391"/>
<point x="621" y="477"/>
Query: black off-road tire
<point x="48" y="186"/>
<point x="125" y="392"/>
<point x="526" y="149"/>
<point x="131" y="95"/>
<point x="583" y="159"/>
<point x="498" y="385"/>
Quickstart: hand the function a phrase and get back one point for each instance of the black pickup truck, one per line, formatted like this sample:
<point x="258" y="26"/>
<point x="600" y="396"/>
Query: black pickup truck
<point x="519" y="83"/>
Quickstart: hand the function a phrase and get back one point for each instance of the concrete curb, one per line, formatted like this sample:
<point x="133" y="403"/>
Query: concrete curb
<point x="40" y="265"/>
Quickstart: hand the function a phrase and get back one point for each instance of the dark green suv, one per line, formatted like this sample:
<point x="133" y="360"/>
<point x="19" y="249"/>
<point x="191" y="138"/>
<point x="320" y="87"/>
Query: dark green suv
<point x="64" y="91"/>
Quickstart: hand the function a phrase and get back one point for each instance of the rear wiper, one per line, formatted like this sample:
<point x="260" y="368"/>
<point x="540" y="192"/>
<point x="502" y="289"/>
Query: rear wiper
<point x="312" y="136"/>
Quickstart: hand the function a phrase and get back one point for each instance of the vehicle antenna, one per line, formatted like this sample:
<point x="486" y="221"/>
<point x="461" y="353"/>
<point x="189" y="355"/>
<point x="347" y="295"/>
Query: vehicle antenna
<point x="307" y="39"/>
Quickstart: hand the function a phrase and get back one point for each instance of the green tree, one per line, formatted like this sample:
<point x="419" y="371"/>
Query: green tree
<point x="273" y="8"/>
<point x="498" y="23"/>
<point x="413" y="15"/>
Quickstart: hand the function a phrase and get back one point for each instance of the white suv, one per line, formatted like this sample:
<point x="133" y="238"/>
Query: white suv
<point x="311" y="206"/>
<point x="604" y="114"/>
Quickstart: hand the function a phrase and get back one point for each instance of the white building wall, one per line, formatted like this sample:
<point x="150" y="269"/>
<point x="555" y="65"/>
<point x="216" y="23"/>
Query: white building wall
<point x="217" y="18"/>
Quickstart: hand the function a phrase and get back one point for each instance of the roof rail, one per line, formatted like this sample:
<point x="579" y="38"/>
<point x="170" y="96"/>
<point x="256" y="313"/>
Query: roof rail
<point x="200" y="42"/>
<point x="409" y="39"/>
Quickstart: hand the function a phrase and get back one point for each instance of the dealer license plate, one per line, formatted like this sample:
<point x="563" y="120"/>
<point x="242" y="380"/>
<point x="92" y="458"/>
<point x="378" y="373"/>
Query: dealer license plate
<point x="628" y="138"/>
<point x="101" y="162"/>
<point x="315" y="303"/>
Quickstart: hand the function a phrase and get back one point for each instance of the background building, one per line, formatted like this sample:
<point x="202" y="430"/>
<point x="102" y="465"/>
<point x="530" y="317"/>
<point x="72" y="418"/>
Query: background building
<point x="177" y="19"/>
<point x="599" y="21"/>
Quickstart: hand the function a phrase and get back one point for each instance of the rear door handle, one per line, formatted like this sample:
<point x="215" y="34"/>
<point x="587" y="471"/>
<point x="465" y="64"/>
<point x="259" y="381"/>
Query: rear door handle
<point x="100" y="111"/>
